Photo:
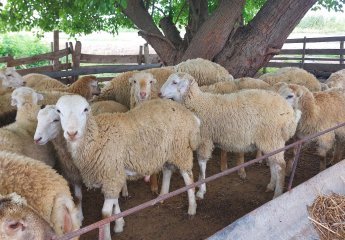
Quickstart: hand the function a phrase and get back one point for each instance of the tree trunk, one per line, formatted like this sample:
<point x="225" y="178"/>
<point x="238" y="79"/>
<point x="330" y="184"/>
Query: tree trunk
<point x="254" y="45"/>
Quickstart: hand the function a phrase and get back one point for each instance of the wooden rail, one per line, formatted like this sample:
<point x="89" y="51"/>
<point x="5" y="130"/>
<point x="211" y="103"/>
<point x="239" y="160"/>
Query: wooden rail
<point x="313" y="60"/>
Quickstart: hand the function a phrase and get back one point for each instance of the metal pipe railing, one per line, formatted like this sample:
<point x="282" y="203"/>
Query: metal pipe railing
<point x="161" y="198"/>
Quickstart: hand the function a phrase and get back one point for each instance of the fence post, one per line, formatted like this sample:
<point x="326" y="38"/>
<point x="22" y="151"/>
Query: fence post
<point x="56" y="61"/>
<point x="9" y="61"/>
<point x="76" y="58"/>
<point x="66" y="44"/>
<point x="341" y="54"/>
<point x="303" y="53"/>
<point x="140" y="57"/>
<point x="146" y="53"/>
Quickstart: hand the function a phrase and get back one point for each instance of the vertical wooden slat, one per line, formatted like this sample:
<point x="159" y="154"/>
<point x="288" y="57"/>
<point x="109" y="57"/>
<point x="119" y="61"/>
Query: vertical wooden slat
<point x="146" y="53"/>
<point x="56" y="62"/>
<point x="140" y="57"/>
<point x="10" y="61"/>
<point x="341" y="55"/>
<point x="76" y="58"/>
<point x="303" y="54"/>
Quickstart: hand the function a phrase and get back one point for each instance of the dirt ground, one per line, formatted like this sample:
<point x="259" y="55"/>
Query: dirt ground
<point x="226" y="200"/>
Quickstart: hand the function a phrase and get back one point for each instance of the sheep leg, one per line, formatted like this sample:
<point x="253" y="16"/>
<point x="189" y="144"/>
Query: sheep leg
<point x="259" y="154"/>
<point x="202" y="189"/>
<point x="325" y="143"/>
<point x="277" y="163"/>
<point x="338" y="151"/>
<point x="79" y="195"/>
<point x="166" y="180"/>
<point x="223" y="160"/>
<point x="120" y="222"/>
<point x="188" y="179"/>
<point x="154" y="184"/>
<point x="270" y="187"/>
<point x="239" y="161"/>
<point x="106" y="212"/>
<point x="124" y="191"/>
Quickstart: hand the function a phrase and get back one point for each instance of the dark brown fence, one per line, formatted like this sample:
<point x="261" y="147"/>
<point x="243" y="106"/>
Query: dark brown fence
<point x="311" y="59"/>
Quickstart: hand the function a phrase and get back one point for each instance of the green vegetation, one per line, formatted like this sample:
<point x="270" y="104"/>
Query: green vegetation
<point x="20" y="45"/>
<point x="321" y="24"/>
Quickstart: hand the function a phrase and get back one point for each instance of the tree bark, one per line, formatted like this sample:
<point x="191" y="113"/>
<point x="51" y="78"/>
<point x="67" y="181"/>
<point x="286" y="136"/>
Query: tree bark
<point x="170" y="31"/>
<point x="254" y="45"/>
<point x="213" y="34"/>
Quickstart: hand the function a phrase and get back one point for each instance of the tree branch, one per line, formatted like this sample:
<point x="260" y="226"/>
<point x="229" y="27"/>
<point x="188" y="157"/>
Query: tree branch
<point x="215" y="31"/>
<point x="170" y="31"/>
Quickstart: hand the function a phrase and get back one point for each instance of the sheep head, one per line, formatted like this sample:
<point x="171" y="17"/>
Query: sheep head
<point x="25" y="95"/>
<point x="73" y="111"/>
<point x="10" y="78"/>
<point x="48" y="125"/>
<point x="291" y="92"/>
<point x="142" y="84"/>
<point x="176" y="87"/>
<point x="18" y="221"/>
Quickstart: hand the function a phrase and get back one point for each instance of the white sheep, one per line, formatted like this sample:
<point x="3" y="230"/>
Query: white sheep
<point x="337" y="79"/>
<point x="293" y="75"/>
<point x="44" y="190"/>
<point x="49" y="129"/>
<point x="107" y="107"/>
<point x="150" y="137"/>
<point x="204" y="71"/>
<point x="41" y="82"/>
<point x="320" y="111"/>
<point x="238" y="122"/>
<point x="143" y="88"/>
<point x="17" y="137"/>
<point x="19" y="221"/>
<point x="9" y="79"/>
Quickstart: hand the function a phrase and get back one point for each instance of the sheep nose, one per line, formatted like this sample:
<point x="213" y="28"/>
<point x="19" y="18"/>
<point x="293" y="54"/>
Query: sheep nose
<point x="37" y="140"/>
<point x="142" y="94"/>
<point x="72" y="134"/>
<point x="24" y="83"/>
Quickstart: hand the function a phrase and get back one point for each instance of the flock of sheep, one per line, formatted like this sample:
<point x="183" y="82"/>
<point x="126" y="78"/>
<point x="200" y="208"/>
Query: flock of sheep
<point x="94" y="139"/>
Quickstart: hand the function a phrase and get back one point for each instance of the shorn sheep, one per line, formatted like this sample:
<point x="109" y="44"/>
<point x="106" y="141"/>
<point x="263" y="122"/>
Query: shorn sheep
<point x="20" y="222"/>
<point x="17" y="137"/>
<point x="150" y="137"/>
<point x="44" y="190"/>
<point x="107" y="107"/>
<point x="320" y="111"/>
<point x="41" y="82"/>
<point x="238" y="122"/>
<point x="49" y="129"/>
<point x="337" y="79"/>
<point x="293" y="75"/>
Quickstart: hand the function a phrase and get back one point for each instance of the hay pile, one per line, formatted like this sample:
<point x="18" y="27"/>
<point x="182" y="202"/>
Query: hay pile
<point x="328" y="216"/>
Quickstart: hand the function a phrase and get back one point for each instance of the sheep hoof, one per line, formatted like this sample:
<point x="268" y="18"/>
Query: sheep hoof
<point x="192" y="211"/>
<point x="154" y="192"/>
<point x="242" y="175"/>
<point x="119" y="224"/>
<point x="200" y="195"/>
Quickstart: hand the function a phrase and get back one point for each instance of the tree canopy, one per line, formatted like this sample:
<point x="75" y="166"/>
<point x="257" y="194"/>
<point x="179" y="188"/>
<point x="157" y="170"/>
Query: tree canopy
<point x="87" y="16"/>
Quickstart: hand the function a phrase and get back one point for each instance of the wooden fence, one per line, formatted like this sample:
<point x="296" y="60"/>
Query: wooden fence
<point x="315" y="60"/>
<point x="68" y="63"/>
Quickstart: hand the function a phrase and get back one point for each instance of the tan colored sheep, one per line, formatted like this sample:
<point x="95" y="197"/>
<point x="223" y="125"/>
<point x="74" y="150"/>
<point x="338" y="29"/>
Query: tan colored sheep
<point x="336" y="79"/>
<point x="20" y="222"/>
<point x="293" y="75"/>
<point x="41" y="82"/>
<point x="143" y="88"/>
<point x="140" y="141"/>
<point x="107" y="107"/>
<point x="18" y="136"/>
<point x="236" y="122"/>
<point x="10" y="79"/>
<point x="204" y="71"/>
<point x="320" y="111"/>
<point x="44" y="190"/>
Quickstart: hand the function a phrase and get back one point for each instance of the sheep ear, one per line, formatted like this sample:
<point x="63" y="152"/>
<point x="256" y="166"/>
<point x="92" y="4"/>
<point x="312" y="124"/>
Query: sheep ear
<point x="14" y="228"/>
<point x="14" y="102"/>
<point x="39" y="97"/>
<point x="154" y="80"/>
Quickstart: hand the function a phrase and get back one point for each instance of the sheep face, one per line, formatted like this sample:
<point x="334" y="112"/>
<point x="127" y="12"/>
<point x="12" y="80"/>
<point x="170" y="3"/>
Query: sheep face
<point x="10" y="78"/>
<point x="48" y="125"/>
<point x="176" y="86"/>
<point x="291" y="93"/>
<point x="19" y="222"/>
<point x="73" y="111"/>
<point x="23" y="95"/>
<point x="95" y="89"/>
<point x="141" y="85"/>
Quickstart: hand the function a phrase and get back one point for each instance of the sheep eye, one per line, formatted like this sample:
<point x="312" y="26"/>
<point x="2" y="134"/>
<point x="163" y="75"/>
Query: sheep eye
<point x="135" y="81"/>
<point x="85" y="110"/>
<point x="150" y="81"/>
<point x="289" y="96"/>
<point x="58" y="110"/>
<point x="8" y="75"/>
<point x="56" y="120"/>
<point x="174" y="82"/>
